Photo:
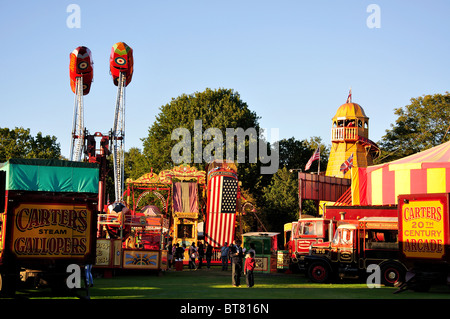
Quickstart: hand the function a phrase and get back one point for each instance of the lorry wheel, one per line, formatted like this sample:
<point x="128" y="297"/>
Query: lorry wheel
<point x="392" y="275"/>
<point x="319" y="272"/>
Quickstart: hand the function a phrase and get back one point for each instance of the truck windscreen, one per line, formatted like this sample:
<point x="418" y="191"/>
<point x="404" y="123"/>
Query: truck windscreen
<point x="313" y="228"/>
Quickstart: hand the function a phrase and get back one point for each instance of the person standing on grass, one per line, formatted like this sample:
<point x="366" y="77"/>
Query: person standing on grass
<point x="179" y="252"/>
<point x="88" y="274"/>
<point x="169" y="254"/>
<point x="208" y="255"/>
<point x="248" y="269"/>
<point x="236" y="255"/>
<point x="201" y="254"/>
<point x="192" y="256"/>
<point x="224" y="256"/>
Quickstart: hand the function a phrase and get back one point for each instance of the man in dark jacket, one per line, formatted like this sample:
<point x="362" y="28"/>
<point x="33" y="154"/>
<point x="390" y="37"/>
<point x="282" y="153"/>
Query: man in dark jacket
<point x="236" y="255"/>
<point x="201" y="254"/>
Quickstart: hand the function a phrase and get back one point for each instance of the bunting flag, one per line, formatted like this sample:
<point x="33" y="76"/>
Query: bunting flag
<point x="347" y="164"/>
<point x="316" y="156"/>
<point x="221" y="209"/>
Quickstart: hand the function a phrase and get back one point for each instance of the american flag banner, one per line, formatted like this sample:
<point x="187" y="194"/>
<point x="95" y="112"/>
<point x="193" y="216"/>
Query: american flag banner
<point x="221" y="209"/>
<point x="316" y="156"/>
<point x="347" y="164"/>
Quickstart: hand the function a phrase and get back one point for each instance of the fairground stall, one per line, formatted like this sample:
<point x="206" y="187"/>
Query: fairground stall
<point x="179" y="193"/>
<point x="131" y="234"/>
<point x="132" y="240"/>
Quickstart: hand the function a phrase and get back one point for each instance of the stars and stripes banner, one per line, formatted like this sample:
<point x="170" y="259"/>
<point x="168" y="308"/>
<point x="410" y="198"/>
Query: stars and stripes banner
<point x="221" y="209"/>
<point x="316" y="156"/>
<point x="347" y="164"/>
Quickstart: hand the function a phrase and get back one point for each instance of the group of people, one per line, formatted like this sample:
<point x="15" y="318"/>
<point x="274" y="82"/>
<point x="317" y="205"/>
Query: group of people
<point x="236" y="253"/>
<point x="176" y="253"/>
<point x="233" y="252"/>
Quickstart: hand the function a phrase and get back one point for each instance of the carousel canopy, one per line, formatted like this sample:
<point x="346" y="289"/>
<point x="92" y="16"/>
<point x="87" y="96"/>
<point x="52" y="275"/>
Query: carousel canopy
<point x="421" y="173"/>
<point x="51" y="175"/>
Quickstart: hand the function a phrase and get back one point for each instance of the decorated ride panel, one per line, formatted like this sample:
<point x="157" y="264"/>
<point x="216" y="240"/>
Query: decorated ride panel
<point x="144" y="259"/>
<point x="108" y="253"/>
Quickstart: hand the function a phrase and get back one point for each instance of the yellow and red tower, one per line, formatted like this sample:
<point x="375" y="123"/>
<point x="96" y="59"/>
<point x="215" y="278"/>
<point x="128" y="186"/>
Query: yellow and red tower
<point x="350" y="135"/>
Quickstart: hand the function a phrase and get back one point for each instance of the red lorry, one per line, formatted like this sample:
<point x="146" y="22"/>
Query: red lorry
<point x="308" y="231"/>
<point x="356" y="245"/>
<point x="424" y="239"/>
<point x="48" y="220"/>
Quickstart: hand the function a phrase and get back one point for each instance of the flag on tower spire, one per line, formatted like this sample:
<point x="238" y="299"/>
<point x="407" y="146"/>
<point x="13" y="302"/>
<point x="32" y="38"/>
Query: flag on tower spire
<point x="349" y="98"/>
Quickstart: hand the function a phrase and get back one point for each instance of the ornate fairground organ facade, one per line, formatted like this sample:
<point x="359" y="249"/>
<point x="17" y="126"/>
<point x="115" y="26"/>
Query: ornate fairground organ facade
<point x="179" y="190"/>
<point x="187" y="186"/>
<point x="135" y="235"/>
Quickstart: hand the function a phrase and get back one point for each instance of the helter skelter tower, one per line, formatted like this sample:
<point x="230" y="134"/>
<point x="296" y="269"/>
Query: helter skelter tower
<point x="121" y="68"/>
<point x="350" y="137"/>
<point x="81" y="75"/>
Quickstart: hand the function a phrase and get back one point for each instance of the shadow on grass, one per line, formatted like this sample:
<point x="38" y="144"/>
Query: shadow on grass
<point x="216" y="284"/>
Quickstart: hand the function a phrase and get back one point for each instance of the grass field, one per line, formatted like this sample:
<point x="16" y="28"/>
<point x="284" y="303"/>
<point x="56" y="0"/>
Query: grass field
<point x="210" y="294"/>
<point x="216" y="284"/>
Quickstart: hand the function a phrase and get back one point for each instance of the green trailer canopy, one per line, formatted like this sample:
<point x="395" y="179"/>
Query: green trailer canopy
<point x="51" y="175"/>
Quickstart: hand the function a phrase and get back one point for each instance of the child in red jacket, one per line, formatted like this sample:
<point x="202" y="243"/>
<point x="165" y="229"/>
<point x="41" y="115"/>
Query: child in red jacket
<point x="248" y="269"/>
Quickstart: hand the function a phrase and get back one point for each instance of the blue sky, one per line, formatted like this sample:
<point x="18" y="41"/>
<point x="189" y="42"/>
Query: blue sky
<point x="292" y="62"/>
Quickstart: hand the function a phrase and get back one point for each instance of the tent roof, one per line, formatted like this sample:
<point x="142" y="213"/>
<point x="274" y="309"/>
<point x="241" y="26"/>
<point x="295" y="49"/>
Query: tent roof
<point x="426" y="172"/>
<point x="438" y="156"/>
<point x="51" y="175"/>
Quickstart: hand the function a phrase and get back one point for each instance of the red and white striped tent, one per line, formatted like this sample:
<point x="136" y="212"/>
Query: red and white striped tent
<point x="423" y="172"/>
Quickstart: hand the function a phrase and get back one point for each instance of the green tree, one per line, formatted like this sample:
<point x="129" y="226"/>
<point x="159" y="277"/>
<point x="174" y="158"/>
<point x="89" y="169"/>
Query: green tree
<point x="420" y="125"/>
<point x="217" y="109"/>
<point x="136" y="163"/>
<point x="294" y="154"/>
<point x="19" y="143"/>
<point x="280" y="200"/>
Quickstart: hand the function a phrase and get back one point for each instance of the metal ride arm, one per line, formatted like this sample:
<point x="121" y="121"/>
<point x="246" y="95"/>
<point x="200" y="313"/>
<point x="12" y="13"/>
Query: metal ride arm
<point x="118" y="138"/>
<point x="78" y="137"/>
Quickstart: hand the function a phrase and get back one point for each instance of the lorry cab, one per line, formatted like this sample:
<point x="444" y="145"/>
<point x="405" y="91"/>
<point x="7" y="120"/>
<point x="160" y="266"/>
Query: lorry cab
<point x="356" y="245"/>
<point x="341" y="248"/>
<point x="304" y="233"/>
<point x="343" y="244"/>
